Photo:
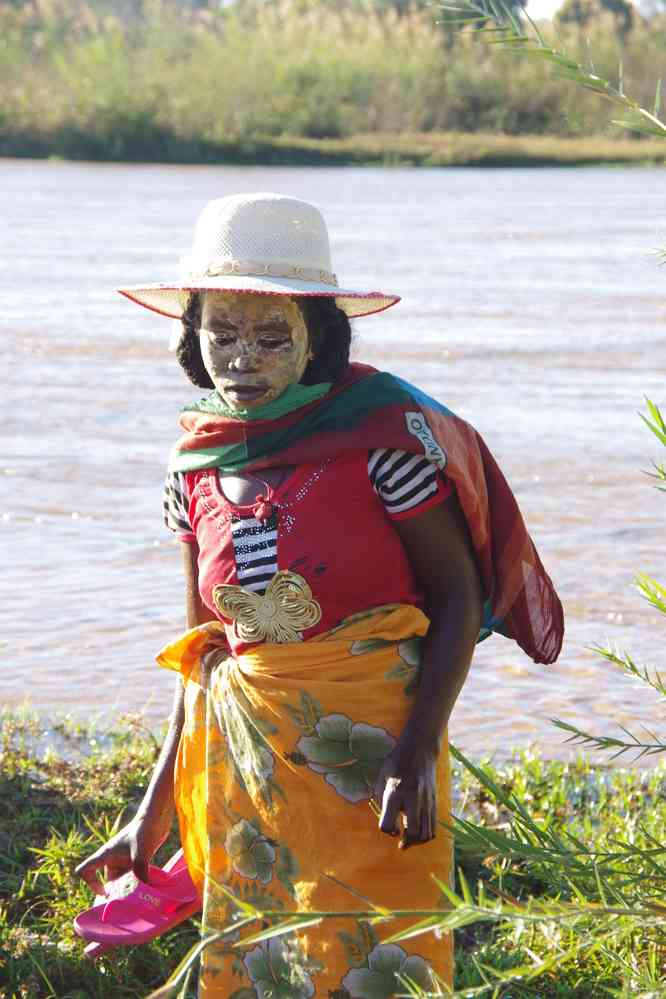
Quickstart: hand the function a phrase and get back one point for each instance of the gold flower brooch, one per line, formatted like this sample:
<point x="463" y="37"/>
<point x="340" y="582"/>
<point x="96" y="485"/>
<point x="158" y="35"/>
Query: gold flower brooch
<point x="280" y="614"/>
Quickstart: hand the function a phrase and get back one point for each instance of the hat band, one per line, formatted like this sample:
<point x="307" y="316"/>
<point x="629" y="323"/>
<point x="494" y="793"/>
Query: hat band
<point x="251" y="268"/>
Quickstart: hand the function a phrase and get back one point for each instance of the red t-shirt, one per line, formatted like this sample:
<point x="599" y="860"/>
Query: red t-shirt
<point x="331" y="523"/>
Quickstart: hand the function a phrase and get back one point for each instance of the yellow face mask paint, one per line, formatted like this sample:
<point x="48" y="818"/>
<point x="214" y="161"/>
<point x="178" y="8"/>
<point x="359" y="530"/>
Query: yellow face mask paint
<point x="253" y="346"/>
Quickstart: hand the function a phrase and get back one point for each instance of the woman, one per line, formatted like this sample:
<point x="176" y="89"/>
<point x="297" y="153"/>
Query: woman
<point x="346" y="541"/>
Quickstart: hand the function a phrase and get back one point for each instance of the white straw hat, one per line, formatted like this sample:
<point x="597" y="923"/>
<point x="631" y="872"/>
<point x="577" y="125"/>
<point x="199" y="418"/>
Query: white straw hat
<point x="265" y="244"/>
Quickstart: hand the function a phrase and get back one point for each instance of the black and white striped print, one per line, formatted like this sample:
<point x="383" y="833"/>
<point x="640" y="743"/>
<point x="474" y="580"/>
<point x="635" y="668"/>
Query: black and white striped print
<point x="255" y="550"/>
<point x="401" y="479"/>
<point x="175" y="504"/>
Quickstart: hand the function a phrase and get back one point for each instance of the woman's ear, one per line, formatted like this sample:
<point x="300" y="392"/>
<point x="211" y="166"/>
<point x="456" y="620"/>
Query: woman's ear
<point x="188" y="349"/>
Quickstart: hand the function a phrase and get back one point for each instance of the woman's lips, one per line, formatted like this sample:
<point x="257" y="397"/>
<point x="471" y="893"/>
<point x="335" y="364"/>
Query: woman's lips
<point x="245" y="392"/>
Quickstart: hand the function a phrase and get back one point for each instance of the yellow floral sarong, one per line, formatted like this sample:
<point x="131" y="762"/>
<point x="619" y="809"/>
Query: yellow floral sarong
<point x="279" y="753"/>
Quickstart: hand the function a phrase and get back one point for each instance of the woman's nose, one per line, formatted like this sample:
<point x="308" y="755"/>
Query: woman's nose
<point x="244" y="360"/>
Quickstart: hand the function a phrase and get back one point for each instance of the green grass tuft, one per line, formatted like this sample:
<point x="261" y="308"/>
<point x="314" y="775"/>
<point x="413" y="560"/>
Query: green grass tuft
<point x="55" y="811"/>
<point x="59" y="806"/>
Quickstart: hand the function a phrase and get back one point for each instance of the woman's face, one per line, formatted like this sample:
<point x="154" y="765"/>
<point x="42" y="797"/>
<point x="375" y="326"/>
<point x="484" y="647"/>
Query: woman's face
<point x="253" y="346"/>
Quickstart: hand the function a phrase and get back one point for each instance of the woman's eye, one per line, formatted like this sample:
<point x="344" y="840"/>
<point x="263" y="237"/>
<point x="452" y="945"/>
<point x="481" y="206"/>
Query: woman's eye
<point x="221" y="339"/>
<point x="273" y="342"/>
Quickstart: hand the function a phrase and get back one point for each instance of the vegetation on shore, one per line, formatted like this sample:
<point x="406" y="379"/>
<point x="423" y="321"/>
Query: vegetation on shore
<point x="304" y="81"/>
<point x="427" y="149"/>
<point x="57" y="808"/>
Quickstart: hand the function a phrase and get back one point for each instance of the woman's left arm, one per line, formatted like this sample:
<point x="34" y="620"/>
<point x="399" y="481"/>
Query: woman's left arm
<point x="440" y="551"/>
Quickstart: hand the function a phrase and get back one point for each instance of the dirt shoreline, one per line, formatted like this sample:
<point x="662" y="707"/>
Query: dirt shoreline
<point x="433" y="149"/>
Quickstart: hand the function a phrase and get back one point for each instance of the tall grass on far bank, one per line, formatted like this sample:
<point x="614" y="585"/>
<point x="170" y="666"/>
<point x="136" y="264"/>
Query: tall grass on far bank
<point x="57" y="808"/>
<point x="163" y="81"/>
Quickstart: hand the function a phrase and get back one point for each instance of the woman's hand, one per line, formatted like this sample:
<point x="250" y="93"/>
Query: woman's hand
<point x="407" y="787"/>
<point x="440" y="552"/>
<point x="132" y="848"/>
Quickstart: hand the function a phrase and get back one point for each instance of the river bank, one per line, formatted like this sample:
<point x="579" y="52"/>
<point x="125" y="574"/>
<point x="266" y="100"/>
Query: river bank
<point x="58" y="807"/>
<point x="427" y="149"/>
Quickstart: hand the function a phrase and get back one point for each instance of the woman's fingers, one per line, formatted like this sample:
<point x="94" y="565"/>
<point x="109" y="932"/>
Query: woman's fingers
<point x="417" y="802"/>
<point x="140" y="867"/>
<point x="392" y="805"/>
<point x="420" y="816"/>
<point x="115" y="860"/>
<point x="412" y="809"/>
<point x="429" y="815"/>
<point x="89" y="868"/>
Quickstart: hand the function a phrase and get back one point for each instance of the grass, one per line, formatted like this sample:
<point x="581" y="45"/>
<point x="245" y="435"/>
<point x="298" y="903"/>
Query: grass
<point x="302" y="83"/>
<point x="439" y="149"/>
<point x="428" y="149"/>
<point x="57" y="807"/>
<point x="55" y="810"/>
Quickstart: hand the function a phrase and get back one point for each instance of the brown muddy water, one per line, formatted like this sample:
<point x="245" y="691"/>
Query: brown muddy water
<point x="533" y="305"/>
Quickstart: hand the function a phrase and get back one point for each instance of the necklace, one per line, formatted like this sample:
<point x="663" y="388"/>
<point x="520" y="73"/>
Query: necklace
<point x="263" y="506"/>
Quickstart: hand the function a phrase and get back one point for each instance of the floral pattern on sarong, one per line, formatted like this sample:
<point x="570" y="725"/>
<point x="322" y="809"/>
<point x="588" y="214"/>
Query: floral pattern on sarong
<point x="349" y="754"/>
<point x="254" y="857"/>
<point x="251" y="855"/>
<point x="278" y="971"/>
<point x="408" y="666"/>
<point x="291" y="732"/>
<point x="358" y="945"/>
<point x="246" y="742"/>
<point x="223" y="958"/>
<point x="380" y="978"/>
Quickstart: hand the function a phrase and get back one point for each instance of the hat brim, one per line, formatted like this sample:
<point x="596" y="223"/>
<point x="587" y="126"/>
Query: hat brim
<point x="171" y="299"/>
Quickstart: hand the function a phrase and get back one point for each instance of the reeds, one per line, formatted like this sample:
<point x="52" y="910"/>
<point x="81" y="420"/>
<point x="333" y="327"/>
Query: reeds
<point x="162" y="81"/>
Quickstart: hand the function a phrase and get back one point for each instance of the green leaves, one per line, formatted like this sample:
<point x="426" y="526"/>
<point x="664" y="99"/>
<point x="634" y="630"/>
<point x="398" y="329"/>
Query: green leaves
<point x="655" y="422"/>
<point x="507" y="32"/>
<point x="654" y="592"/>
<point x="631" y="743"/>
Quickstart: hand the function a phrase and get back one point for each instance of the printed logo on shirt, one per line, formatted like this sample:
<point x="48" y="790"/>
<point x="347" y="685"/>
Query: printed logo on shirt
<point x="417" y="425"/>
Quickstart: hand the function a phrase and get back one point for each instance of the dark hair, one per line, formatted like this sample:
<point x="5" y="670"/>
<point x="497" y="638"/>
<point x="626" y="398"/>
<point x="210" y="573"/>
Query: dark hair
<point x="328" y="329"/>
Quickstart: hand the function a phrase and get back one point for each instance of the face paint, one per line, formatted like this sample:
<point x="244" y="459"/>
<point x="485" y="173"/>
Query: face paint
<point x="253" y="346"/>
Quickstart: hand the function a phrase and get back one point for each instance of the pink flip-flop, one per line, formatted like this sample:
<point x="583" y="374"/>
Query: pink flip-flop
<point x="134" y="912"/>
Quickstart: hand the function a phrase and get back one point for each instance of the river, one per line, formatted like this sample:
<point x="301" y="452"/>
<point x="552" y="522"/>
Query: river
<point x="533" y="305"/>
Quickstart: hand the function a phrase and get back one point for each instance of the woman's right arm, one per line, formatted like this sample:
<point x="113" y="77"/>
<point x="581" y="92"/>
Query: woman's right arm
<point x="135" y="844"/>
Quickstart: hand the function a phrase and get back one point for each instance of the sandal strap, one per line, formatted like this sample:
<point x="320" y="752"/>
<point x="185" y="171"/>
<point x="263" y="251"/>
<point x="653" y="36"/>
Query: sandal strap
<point x="152" y="897"/>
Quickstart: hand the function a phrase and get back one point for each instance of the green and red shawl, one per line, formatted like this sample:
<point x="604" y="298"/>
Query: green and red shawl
<point x="372" y="409"/>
